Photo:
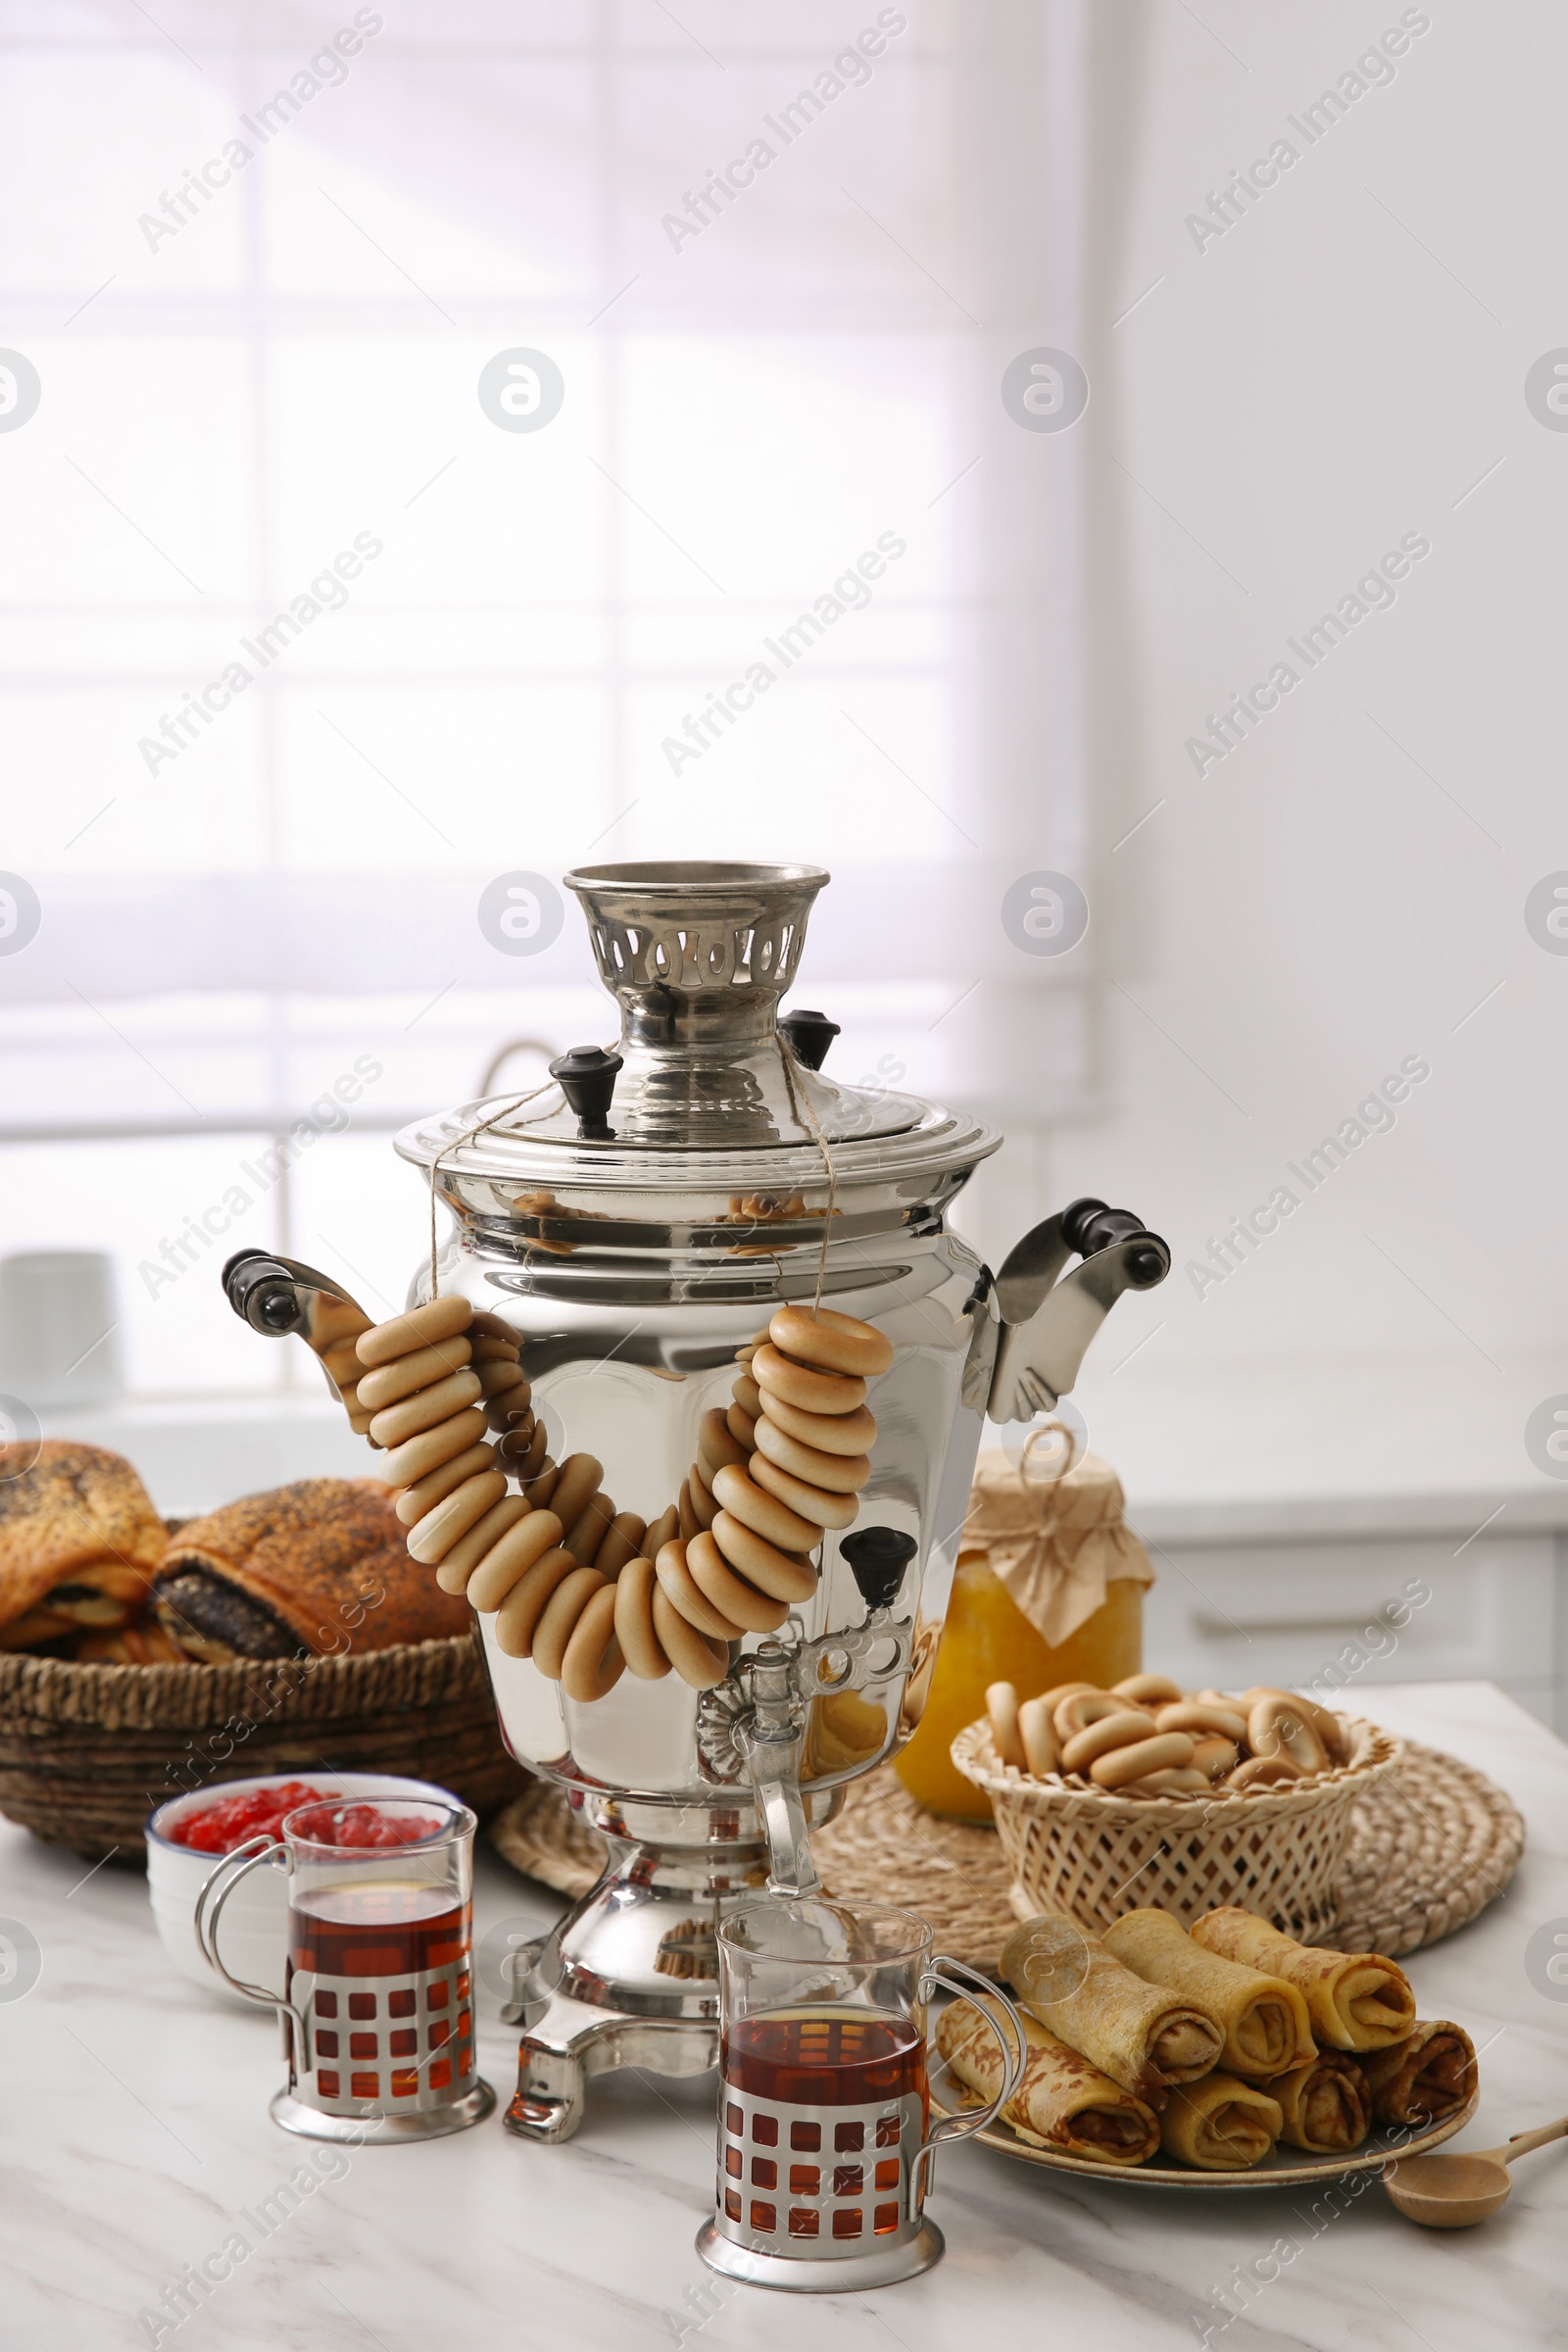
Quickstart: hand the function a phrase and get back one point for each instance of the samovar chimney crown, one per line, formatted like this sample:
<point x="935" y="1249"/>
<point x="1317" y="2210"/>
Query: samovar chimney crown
<point x="697" y="954"/>
<point x="697" y="951"/>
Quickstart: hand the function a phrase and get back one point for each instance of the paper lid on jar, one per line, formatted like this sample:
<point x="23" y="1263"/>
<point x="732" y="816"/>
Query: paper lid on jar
<point x="1054" y="1547"/>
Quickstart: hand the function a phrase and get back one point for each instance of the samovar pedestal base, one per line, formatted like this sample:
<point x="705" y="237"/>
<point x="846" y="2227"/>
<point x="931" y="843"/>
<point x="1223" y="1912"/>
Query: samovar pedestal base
<point x="630" y="1975"/>
<point x="574" y="2040"/>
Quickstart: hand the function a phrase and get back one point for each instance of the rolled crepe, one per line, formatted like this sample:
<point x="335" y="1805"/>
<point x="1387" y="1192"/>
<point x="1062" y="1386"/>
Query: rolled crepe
<point x="1430" y="2075"/>
<point x="1327" y="2104"/>
<point x="1356" y="2000"/>
<point x="1141" y="2036"/>
<point x="1263" y="2019"/>
<point x="1063" y="2102"/>
<point x="1222" y="2125"/>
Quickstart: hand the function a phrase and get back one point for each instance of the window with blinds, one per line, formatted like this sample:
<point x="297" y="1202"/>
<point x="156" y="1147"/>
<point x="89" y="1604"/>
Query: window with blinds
<point x="319" y="616"/>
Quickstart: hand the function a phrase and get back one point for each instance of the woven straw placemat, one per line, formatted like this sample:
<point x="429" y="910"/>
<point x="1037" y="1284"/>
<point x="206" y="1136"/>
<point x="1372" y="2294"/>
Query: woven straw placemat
<point x="542" y="1836"/>
<point x="1427" y="1851"/>
<point x="1430" y="1846"/>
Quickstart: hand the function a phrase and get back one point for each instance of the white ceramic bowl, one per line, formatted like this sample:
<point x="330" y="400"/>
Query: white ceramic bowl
<point x="253" y="1932"/>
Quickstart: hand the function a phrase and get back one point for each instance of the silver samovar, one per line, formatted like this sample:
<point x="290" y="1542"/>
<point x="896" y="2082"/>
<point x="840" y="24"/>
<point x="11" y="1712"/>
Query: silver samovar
<point x="636" y="1223"/>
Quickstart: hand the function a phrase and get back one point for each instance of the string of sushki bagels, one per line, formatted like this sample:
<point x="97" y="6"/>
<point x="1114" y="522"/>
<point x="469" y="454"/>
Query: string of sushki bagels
<point x="588" y="1591"/>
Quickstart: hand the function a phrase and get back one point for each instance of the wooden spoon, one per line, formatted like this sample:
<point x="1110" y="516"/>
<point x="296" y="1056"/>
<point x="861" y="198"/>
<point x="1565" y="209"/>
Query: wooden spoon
<point x="1450" y="2192"/>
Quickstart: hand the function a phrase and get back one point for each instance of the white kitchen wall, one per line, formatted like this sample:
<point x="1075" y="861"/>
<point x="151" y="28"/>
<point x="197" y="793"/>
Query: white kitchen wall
<point x="1346" y="888"/>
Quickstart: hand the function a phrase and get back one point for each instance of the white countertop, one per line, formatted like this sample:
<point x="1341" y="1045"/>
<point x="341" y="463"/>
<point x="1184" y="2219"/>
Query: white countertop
<point x="133" y="2124"/>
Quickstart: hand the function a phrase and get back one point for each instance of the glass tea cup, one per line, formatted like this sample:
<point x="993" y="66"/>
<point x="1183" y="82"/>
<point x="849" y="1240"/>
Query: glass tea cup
<point x="825" y="2145"/>
<point x="377" y="2006"/>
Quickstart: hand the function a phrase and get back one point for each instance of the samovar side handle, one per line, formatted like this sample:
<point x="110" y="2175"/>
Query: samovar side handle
<point x="278" y="1295"/>
<point x="1048" y="1323"/>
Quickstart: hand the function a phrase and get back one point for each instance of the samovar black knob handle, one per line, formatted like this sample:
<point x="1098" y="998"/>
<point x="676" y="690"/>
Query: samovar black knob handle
<point x="261" y="1291"/>
<point x="809" y="1036"/>
<point x="1090" y="1226"/>
<point x="1077" y="1218"/>
<point x="587" y="1076"/>
<point x="1147" y="1265"/>
<point x="878" y="1557"/>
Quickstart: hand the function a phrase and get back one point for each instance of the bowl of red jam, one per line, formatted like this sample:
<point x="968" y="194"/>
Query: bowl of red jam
<point x="188" y="1838"/>
<point x="249" y="1812"/>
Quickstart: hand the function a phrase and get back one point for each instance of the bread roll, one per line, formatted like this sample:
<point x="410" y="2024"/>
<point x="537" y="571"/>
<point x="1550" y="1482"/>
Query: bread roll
<point x="1327" y="2104"/>
<point x="79" y="1541"/>
<point x="1430" y="2075"/>
<point x="1140" y="2036"/>
<point x="421" y="1327"/>
<point x="1222" y="2125"/>
<point x="1063" y="2102"/>
<point x="509" y="1557"/>
<point x="622" y="1539"/>
<point x="829" y="1341"/>
<point x="142" y="1643"/>
<point x="1357" y="2001"/>
<point x="834" y="1473"/>
<point x="810" y="1391"/>
<point x="1002" y="1707"/>
<point x="390" y="1383"/>
<point x="317" y="1566"/>
<point x="459" y="1564"/>
<point x="1263" y="2019"/>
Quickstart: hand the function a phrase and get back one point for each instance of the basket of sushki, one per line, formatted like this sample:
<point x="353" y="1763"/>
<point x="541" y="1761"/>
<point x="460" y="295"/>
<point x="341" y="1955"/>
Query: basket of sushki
<point x="1146" y="1794"/>
<point x="1112" y="1790"/>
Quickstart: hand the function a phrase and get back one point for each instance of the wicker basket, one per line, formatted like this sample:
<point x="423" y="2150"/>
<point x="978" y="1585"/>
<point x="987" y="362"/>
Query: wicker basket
<point x="87" y="1752"/>
<point x="1276" y="1852"/>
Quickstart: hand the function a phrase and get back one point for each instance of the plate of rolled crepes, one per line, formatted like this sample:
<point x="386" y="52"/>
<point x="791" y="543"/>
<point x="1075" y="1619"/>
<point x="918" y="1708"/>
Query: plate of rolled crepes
<point x="1224" y="2057"/>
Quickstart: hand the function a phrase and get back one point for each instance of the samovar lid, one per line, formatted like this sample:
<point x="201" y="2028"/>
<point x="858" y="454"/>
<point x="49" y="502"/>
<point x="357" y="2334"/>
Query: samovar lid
<point x="697" y="956"/>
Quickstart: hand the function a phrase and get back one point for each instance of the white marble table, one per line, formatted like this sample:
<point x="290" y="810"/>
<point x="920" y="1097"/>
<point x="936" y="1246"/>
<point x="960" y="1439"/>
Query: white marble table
<point x="133" y="2129"/>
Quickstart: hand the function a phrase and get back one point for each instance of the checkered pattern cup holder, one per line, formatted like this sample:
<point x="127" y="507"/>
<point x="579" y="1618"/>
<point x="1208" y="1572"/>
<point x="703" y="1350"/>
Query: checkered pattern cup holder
<point x="825" y="2145"/>
<point x="378" y="2005"/>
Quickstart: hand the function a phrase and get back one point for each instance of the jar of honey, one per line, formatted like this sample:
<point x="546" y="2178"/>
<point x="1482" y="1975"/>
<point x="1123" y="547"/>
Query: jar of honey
<point x="1048" y="1588"/>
